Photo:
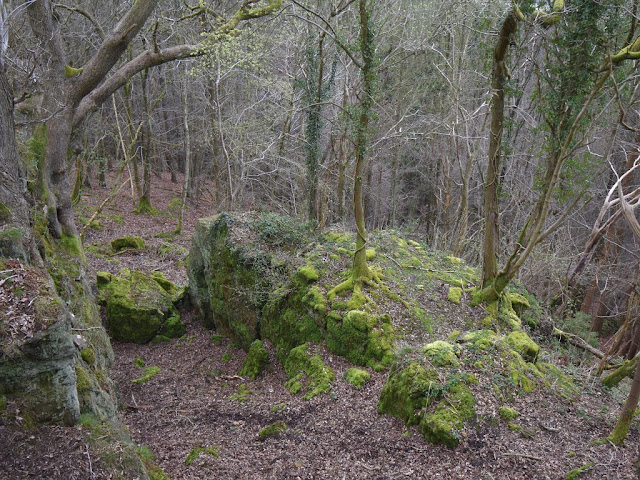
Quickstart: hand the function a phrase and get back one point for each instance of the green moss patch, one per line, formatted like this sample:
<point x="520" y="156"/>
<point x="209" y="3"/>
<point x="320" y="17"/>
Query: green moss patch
<point x="507" y="413"/>
<point x="362" y="338"/>
<point x="455" y="295"/>
<point x="127" y="242"/>
<point x="443" y="425"/>
<point x="147" y="375"/>
<point x="272" y="430"/>
<point x="479" y="340"/>
<point x="522" y="343"/>
<point x="416" y="394"/>
<point x="442" y="354"/>
<point x="89" y="356"/>
<point x="294" y="315"/>
<point x="356" y="377"/>
<point x="195" y="453"/>
<point x="256" y="360"/>
<point x="307" y="372"/>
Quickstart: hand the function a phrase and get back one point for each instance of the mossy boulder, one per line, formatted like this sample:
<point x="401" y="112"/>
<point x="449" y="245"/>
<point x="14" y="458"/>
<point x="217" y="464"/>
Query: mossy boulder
<point x="307" y="372"/>
<point x="522" y="343"/>
<point x="256" y="360"/>
<point x="295" y="313"/>
<point x="442" y="354"/>
<point x="479" y="340"/>
<point x="455" y="295"/>
<point x="356" y="377"/>
<point x="444" y="424"/>
<point x="232" y="269"/>
<point x="127" y="242"/>
<point x="362" y="338"/>
<point x="507" y="413"/>
<point x="415" y="393"/>
<point x="137" y="307"/>
<point x="37" y="352"/>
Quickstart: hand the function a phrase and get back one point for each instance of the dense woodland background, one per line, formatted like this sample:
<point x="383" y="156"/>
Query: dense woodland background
<point x="271" y="111"/>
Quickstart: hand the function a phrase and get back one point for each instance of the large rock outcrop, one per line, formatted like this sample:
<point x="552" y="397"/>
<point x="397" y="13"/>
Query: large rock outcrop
<point x="233" y="267"/>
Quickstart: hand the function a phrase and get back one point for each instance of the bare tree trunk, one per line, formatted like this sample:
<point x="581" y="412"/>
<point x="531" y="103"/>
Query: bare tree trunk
<point x="491" y="243"/>
<point x="187" y="158"/>
<point x="144" y="204"/>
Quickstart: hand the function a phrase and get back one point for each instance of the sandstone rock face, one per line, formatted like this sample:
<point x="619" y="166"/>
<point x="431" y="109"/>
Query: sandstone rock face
<point x="140" y="307"/>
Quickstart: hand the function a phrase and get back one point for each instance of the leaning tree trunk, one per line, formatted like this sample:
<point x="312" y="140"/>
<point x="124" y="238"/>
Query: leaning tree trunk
<point x="492" y="181"/>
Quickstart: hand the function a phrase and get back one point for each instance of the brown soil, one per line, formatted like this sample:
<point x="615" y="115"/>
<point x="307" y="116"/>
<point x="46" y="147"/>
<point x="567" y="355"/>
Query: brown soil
<point x="194" y="402"/>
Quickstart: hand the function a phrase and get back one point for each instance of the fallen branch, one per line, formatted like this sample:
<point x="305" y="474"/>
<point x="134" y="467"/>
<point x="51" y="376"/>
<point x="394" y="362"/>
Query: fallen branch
<point x="523" y="455"/>
<point x="627" y="369"/>
<point x="576" y="341"/>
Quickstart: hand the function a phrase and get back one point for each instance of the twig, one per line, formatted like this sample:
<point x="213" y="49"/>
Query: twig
<point x="523" y="455"/>
<point x="550" y="429"/>
<point x="2" y="282"/>
<point x="576" y="341"/>
<point x="86" y="329"/>
<point x="89" y="459"/>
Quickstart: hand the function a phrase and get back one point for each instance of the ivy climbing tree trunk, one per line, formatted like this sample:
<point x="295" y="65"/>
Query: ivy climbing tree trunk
<point x="361" y="270"/>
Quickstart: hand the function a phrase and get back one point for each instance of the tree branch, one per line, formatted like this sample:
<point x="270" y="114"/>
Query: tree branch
<point x="146" y="59"/>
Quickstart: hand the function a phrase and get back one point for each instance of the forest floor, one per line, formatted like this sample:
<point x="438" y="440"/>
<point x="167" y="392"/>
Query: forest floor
<point x="202" y="421"/>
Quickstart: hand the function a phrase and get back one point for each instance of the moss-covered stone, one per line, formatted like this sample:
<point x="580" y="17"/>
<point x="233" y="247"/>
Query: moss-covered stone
<point x="294" y="315"/>
<point x="479" y="340"/>
<point x="445" y="423"/>
<point x="519" y="302"/>
<point x="356" y="377"/>
<point x="127" y="242"/>
<point x="256" y="360"/>
<point x="522" y="343"/>
<point x="138" y="308"/>
<point x="309" y="273"/>
<point x="442" y="354"/>
<point x="272" y="430"/>
<point x="405" y="394"/>
<point x="507" y="413"/>
<point x="232" y="272"/>
<point x="307" y="370"/>
<point x="455" y="295"/>
<point x="362" y="338"/>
